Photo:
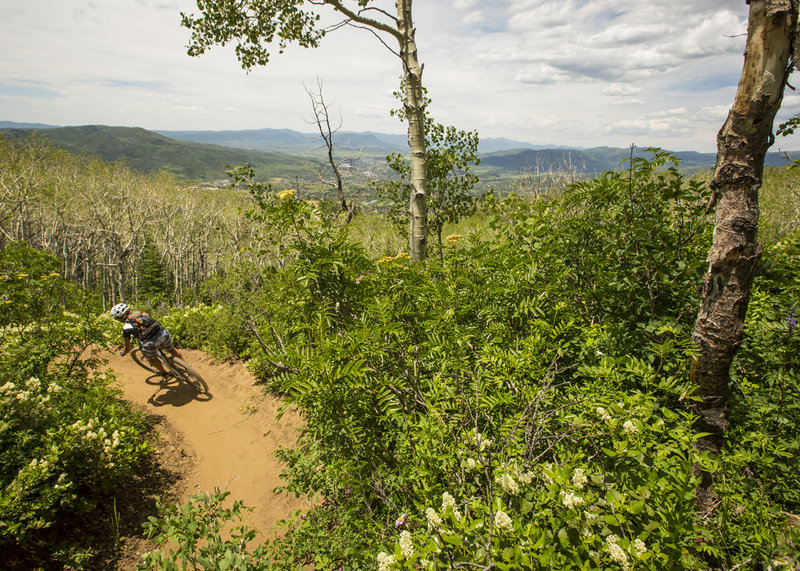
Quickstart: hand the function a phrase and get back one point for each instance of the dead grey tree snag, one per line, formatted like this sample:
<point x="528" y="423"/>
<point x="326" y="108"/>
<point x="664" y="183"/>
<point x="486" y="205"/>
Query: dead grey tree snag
<point x="742" y="144"/>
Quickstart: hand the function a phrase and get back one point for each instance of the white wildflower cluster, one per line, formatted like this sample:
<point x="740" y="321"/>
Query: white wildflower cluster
<point x="571" y="501"/>
<point x="639" y="548"/>
<point x="502" y="521"/>
<point x="579" y="478"/>
<point x="30" y="476"/>
<point x="629" y="427"/>
<point x="471" y="465"/>
<point x="406" y="544"/>
<point x="547" y="468"/>
<point x="33" y="394"/>
<point x="508" y="483"/>
<point x="449" y="501"/>
<point x="525" y="477"/>
<point x="434" y="521"/>
<point x="385" y="561"/>
<point x="94" y="433"/>
<point x="603" y="414"/>
<point x="616" y="552"/>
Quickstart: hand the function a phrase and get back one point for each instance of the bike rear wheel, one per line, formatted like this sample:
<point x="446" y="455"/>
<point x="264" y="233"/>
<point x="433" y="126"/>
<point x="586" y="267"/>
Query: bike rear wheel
<point x="187" y="374"/>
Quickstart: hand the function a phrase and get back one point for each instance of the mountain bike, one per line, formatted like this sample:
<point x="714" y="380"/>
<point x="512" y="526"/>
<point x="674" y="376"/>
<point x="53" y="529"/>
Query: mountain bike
<point x="176" y="367"/>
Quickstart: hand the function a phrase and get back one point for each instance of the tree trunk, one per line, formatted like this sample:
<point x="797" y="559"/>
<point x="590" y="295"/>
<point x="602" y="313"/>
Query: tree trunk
<point x="415" y="115"/>
<point x="742" y="144"/>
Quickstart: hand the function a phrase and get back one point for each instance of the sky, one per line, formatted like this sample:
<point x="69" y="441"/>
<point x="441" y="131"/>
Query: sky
<point x="580" y="73"/>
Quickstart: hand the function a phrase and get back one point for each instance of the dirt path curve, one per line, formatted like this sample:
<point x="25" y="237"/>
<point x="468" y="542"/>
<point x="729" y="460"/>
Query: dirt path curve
<point x="231" y="435"/>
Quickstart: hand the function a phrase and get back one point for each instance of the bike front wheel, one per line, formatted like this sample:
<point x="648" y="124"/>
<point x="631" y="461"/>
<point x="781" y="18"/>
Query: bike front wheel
<point x="139" y="358"/>
<point x="187" y="374"/>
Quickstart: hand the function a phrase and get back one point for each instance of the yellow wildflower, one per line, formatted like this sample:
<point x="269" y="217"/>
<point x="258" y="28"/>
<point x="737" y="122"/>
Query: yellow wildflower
<point x="284" y="194"/>
<point x="454" y="239"/>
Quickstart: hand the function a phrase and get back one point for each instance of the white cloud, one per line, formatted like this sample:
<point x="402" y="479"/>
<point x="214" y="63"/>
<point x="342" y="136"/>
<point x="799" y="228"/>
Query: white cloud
<point x="541" y="75"/>
<point x="474" y="17"/>
<point x="671" y="112"/>
<point x="715" y="112"/>
<point x="621" y="90"/>
<point x="187" y="108"/>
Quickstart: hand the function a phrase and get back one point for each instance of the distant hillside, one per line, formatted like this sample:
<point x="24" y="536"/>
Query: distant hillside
<point x="595" y="160"/>
<point x="285" y="139"/>
<point x="199" y="155"/>
<point x="13" y="125"/>
<point x="148" y="151"/>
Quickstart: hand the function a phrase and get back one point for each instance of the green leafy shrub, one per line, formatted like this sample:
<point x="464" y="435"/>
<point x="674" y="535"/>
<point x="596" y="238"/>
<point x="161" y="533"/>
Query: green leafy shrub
<point x="194" y="533"/>
<point x="524" y="402"/>
<point x="66" y="439"/>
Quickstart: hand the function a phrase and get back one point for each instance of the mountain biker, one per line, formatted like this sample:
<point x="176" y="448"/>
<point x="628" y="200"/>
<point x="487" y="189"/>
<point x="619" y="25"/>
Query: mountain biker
<point x="151" y="335"/>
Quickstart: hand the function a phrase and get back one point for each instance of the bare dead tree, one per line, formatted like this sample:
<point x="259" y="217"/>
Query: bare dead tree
<point x="322" y="119"/>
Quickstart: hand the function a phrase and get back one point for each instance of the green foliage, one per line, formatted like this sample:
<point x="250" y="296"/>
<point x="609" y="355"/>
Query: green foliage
<point x="450" y="180"/>
<point x="525" y="402"/>
<point x="253" y="25"/>
<point x="764" y="439"/>
<point x="500" y="379"/>
<point x="625" y="250"/>
<point x="154" y="277"/>
<point x="66" y="439"/>
<point x="201" y="535"/>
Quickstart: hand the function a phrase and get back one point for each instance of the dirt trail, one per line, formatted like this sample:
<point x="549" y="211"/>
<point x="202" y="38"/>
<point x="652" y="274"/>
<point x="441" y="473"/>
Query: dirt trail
<point x="230" y="435"/>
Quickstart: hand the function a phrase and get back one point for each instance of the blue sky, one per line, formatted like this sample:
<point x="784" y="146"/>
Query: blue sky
<point x="563" y="72"/>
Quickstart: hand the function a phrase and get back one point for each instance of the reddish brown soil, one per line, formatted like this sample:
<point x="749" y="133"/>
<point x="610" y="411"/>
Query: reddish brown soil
<point x="224" y="440"/>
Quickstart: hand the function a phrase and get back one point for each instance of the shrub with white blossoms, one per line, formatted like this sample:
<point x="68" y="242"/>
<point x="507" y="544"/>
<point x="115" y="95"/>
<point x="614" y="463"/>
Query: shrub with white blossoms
<point x="579" y="478"/>
<point x="406" y="544"/>
<point x="434" y="521"/>
<point x="449" y="502"/>
<point x="508" y="483"/>
<point x="599" y="509"/>
<point x="604" y="415"/>
<point x="629" y="427"/>
<point x="51" y="457"/>
<point x="570" y="500"/>
<point x="502" y="521"/>
<point x="385" y="561"/>
<point x="616" y="552"/>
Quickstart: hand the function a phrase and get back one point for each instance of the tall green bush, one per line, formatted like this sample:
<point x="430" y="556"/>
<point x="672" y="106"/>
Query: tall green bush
<point x="66" y="440"/>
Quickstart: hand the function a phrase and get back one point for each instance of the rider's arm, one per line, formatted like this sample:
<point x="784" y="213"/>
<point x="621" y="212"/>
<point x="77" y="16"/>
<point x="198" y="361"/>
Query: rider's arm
<point x="126" y="336"/>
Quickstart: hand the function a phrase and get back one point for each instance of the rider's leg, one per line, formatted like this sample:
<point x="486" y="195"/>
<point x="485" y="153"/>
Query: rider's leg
<point x="149" y="350"/>
<point x="156" y="363"/>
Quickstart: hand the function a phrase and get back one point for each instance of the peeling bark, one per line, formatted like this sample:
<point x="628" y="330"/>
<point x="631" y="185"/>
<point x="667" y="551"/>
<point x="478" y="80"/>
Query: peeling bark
<point x="742" y="144"/>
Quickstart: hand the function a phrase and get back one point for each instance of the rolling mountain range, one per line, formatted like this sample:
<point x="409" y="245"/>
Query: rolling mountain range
<point x="200" y="155"/>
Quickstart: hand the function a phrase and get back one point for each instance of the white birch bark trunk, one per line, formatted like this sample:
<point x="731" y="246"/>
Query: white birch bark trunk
<point x="415" y="115"/>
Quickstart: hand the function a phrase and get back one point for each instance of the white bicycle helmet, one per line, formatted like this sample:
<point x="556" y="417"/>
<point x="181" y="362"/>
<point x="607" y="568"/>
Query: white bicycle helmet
<point x="120" y="310"/>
